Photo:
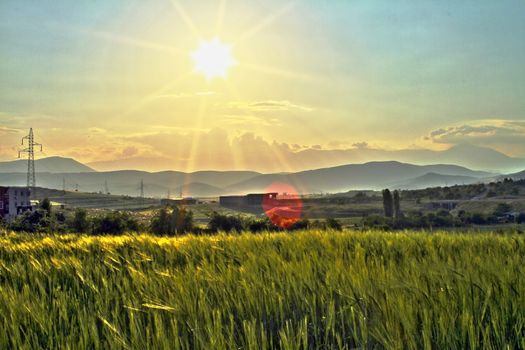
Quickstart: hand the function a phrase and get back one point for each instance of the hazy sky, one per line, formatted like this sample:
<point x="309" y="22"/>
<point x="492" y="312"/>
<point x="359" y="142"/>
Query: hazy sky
<point x="113" y="82"/>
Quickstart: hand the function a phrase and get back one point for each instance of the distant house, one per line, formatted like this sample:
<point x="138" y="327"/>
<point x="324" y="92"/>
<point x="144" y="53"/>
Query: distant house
<point x="14" y="201"/>
<point x="35" y="204"/>
<point x="252" y="199"/>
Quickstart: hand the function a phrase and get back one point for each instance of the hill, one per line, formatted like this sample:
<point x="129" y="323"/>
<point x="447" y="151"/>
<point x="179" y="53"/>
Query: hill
<point x="49" y="164"/>
<point x="516" y="176"/>
<point x="435" y="180"/>
<point x="126" y="182"/>
<point x="372" y="175"/>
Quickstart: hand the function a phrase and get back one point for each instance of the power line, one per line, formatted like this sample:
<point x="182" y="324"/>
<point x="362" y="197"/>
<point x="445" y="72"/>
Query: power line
<point x="30" y="150"/>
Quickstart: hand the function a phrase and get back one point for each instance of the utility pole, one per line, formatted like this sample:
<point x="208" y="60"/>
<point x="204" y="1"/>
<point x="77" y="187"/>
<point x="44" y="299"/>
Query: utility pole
<point x="30" y="150"/>
<point x="169" y="193"/>
<point x="106" y="188"/>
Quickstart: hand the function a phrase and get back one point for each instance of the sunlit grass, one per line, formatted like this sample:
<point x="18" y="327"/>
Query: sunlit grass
<point x="303" y="290"/>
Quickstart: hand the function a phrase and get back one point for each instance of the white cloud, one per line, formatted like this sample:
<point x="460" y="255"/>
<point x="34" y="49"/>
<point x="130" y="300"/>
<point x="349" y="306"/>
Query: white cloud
<point x="482" y="131"/>
<point x="268" y="106"/>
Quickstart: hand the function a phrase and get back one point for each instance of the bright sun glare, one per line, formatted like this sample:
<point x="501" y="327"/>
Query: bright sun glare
<point x="213" y="58"/>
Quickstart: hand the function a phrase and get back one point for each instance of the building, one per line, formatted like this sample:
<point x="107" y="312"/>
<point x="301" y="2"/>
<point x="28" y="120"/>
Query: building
<point x="35" y="204"/>
<point x="14" y="201"/>
<point x="250" y="200"/>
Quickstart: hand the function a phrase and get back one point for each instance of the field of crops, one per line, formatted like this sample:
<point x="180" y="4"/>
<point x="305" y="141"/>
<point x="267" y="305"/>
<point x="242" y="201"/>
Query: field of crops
<point x="304" y="290"/>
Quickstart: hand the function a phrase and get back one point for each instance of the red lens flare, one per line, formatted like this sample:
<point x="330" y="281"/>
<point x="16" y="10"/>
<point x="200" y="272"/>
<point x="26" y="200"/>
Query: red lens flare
<point x="284" y="206"/>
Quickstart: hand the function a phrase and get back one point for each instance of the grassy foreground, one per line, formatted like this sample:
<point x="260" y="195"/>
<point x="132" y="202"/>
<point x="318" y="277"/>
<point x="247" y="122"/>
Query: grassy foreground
<point x="303" y="290"/>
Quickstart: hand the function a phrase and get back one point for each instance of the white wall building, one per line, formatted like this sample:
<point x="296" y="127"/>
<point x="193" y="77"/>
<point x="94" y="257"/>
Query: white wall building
<point x="14" y="201"/>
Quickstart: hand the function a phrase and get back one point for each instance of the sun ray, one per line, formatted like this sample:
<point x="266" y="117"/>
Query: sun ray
<point x="190" y="164"/>
<point x="186" y="18"/>
<point x="220" y="17"/>
<point x="279" y="72"/>
<point x="154" y="95"/>
<point x="131" y="41"/>
<point x="266" y="21"/>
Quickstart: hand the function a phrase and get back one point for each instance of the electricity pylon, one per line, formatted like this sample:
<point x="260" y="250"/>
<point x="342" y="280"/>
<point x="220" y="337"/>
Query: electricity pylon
<point x="30" y="150"/>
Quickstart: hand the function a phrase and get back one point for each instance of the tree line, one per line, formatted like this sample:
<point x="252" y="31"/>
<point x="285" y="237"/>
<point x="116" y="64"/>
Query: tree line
<point x="395" y="218"/>
<point x="169" y="221"/>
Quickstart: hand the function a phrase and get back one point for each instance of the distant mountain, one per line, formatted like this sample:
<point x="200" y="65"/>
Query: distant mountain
<point x="199" y="189"/>
<point x="480" y="158"/>
<point x="127" y="182"/>
<point x="467" y="155"/>
<point x="516" y="176"/>
<point x="46" y="165"/>
<point x="372" y="175"/>
<point x="435" y="180"/>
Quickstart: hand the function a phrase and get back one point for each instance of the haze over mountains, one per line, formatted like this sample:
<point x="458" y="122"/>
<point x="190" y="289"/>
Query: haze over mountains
<point x="372" y="175"/>
<point x="46" y="165"/>
<point x="470" y="156"/>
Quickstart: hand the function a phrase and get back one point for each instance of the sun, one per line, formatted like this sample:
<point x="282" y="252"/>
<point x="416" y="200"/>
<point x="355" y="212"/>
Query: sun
<point x="213" y="58"/>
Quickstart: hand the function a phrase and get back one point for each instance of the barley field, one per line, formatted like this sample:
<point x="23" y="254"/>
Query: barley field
<point x="304" y="290"/>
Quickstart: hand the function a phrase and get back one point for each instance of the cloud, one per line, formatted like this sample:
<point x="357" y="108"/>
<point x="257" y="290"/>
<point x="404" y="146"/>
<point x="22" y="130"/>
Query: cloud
<point x="187" y="95"/>
<point x="96" y="130"/>
<point x="4" y="130"/>
<point x="360" y="145"/>
<point x="129" y="151"/>
<point x="481" y="132"/>
<point x="268" y="106"/>
<point x="250" y="119"/>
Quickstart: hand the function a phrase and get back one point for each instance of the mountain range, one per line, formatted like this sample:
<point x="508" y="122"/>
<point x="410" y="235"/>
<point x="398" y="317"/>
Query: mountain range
<point x="467" y="155"/>
<point x="54" y="171"/>
<point x="46" y="165"/>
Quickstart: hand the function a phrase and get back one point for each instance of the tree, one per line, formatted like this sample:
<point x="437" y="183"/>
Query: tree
<point x="46" y="205"/>
<point x="225" y="223"/>
<point x="80" y="221"/>
<point x="181" y="220"/>
<point x="502" y="209"/>
<point x="388" y="203"/>
<point x="397" y="205"/>
<point x="115" y="223"/>
<point x="333" y="224"/>
<point x="160" y="224"/>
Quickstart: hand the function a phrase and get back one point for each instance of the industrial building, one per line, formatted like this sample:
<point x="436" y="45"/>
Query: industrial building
<point x="249" y="200"/>
<point x="14" y="201"/>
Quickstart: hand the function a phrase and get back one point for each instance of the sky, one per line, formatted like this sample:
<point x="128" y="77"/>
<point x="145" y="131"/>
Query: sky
<point x="112" y="83"/>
